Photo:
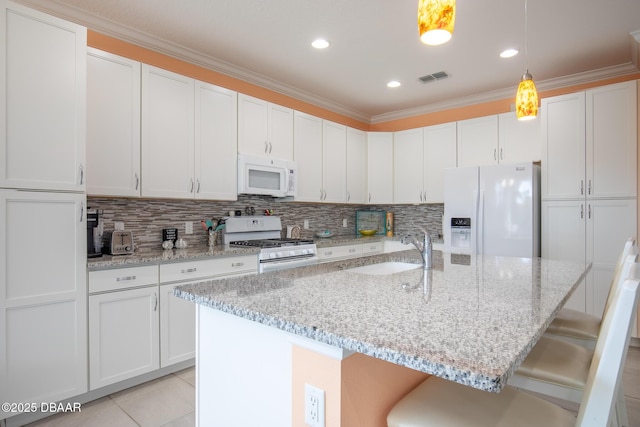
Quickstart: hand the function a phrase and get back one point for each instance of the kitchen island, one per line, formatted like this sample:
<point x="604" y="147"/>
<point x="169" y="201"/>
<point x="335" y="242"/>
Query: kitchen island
<point x="471" y="319"/>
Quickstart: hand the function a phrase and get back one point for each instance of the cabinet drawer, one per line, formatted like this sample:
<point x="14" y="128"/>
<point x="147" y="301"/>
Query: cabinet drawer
<point x="372" y="248"/>
<point x="337" y="252"/>
<point x="202" y="269"/>
<point x="122" y="278"/>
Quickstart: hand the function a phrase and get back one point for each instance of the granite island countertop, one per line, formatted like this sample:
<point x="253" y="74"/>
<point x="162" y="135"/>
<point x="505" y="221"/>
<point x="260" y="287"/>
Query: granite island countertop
<point x="471" y="319"/>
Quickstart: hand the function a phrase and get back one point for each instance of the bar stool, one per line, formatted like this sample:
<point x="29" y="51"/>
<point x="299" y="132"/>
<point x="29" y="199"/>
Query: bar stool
<point x="558" y="368"/>
<point x="580" y="327"/>
<point x="442" y="403"/>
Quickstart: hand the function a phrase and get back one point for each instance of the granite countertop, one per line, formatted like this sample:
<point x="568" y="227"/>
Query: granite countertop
<point x="473" y="322"/>
<point x="173" y="255"/>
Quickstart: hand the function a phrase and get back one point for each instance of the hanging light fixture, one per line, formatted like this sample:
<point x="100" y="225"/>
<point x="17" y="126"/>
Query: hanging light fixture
<point x="435" y="20"/>
<point x="527" y="95"/>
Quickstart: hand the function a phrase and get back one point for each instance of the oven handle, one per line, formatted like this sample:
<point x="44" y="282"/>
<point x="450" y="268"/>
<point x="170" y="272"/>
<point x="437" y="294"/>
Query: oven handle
<point x="287" y="259"/>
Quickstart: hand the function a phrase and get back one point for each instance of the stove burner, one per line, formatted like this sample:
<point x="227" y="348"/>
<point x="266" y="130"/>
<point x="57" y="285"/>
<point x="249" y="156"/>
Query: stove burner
<point x="271" y="243"/>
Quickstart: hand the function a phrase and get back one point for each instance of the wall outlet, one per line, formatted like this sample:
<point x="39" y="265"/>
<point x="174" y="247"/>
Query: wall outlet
<point x="344" y="222"/>
<point x="306" y="224"/>
<point x="118" y="225"/>
<point x="188" y="227"/>
<point x="313" y="406"/>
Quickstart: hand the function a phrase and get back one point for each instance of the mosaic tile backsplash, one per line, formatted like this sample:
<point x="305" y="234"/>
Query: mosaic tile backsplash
<point x="146" y="218"/>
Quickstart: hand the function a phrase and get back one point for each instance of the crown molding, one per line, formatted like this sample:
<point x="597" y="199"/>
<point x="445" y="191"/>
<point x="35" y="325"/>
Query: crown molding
<point x="127" y="34"/>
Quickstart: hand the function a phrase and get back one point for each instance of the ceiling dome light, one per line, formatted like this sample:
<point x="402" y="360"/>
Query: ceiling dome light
<point x="436" y="19"/>
<point x="508" y="53"/>
<point x="320" y="44"/>
<point x="394" y="83"/>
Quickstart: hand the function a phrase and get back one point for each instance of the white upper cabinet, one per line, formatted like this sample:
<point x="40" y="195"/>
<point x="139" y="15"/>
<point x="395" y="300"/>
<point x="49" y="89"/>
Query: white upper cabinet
<point x="478" y="141"/>
<point x="611" y="140"/>
<point x="380" y="167"/>
<point x="334" y="162"/>
<point x="439" y="154"/>
<point x="188" y="137"/>
<point x="264" y="129"/>
<point x="308" y="157"/>
<point x="590" y="143"/>
<point x="518" y="140"/>
<point x="356" y="166"/>
<point x="113" y="125"/>
<point x="408" y="160"/>
<point x="167" y="134"/>
<point x="42" y="113"/>
<point x="216" y="140"/>
<point x="563" y="144"/>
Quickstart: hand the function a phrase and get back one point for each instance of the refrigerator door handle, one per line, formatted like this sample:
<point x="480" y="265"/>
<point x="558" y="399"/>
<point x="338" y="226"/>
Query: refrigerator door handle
<point x="480" y="224"/>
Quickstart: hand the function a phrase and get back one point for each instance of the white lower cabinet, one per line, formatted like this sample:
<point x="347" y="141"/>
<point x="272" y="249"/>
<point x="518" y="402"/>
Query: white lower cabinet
<point x="123" y="335"/>
<point x="335" y="253"/>
<point x="43" y="323"/>
<point x="177" y="327"/>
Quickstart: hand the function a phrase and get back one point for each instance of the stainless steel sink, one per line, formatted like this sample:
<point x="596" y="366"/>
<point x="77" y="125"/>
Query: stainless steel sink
<point x="385" y="268"/>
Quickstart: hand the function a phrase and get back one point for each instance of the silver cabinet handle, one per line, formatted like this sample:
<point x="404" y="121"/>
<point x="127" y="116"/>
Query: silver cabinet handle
<point x="351" y="251"/>
<point x="270" y="148"/>
<point x="589" y="188"/>
<point x="501" y="155"/>
<point x="191" y="191"/>
<point x="189" y="270"/>
<point x="589" y="211"/>
<point x="582" y="187"/>
<point x="198" y="186"/>
<point x="328" y="253"/>
<point x="81" y="175"/>
<point x="321" y="194"/>
<point x="369" y="197"/>
<point x="266" y="147"/>
<point x="155" y="301"/>
<point x="495" y="157"/>
<point x="125" y="278"/>
<point x="348" y="196"/>
<point x="581" y="211"/>
<point x="81" y="211"/>
<point x="137" y="180"/>
<point x="237" y="264"/>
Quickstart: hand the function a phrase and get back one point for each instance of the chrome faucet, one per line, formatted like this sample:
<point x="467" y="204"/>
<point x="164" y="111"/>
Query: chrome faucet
<point x="425" y="248"/>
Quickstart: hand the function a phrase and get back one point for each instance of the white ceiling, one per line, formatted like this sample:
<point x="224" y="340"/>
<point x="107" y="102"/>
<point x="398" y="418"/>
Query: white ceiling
<point x="267" y="42"/>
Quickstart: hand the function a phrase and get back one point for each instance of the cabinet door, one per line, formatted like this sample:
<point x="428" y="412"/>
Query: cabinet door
<point x="334" y="162"/>
<point x="43" y="299"/>
<point x="611" y="140"/>
<point x="177" y="328"/>
<point x="407" y="166"/>
<point x="519" y="140"/>
<point x="43" y="108"/>
<point x="563" y="238"/>
<point x="253" y="125"/>
<point x="280" y="132"/>
<point x="563" y="146"/>
<point x="609" y="224"/>
<point x="439" y="154"/>
<point x="113" y="125"/>
<point x="356" y="166"/>
<point x="380" y="167"/>
<point x="124" y="335"/>
<point x="478" y="141"/>
<point x="216" y="166"/>
<point x="308" y="156"/>
<point x="167" y="134"/>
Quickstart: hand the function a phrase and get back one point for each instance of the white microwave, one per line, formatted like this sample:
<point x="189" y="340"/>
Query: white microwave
<point x="266" y="176"/>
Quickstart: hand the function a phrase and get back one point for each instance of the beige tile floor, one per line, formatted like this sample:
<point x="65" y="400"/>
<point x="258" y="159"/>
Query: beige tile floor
<point x="170" y="402"/>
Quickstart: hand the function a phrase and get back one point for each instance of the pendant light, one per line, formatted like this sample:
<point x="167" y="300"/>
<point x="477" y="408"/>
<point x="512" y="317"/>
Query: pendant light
<point x="435" y="20"/>
<point x="527" y="95"/>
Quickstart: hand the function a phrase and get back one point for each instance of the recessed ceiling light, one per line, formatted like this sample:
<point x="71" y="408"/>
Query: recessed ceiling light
<point x="320" y="44"/>
<point x="508" y="53"/>
<point x="394" y="83"/>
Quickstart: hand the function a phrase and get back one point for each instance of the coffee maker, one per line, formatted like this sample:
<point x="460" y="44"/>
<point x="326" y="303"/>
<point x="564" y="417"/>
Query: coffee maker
<point x="94" y="234"/>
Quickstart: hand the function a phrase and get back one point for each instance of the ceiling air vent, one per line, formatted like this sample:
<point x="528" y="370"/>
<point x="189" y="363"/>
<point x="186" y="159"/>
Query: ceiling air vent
<point x="433" y="77"/>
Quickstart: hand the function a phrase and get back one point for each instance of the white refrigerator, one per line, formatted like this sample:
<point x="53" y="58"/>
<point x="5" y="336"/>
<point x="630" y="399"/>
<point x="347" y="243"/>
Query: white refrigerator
<point x="493" y="210"/>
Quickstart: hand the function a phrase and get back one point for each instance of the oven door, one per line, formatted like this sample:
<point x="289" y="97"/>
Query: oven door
<point x="285" y="263"/>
